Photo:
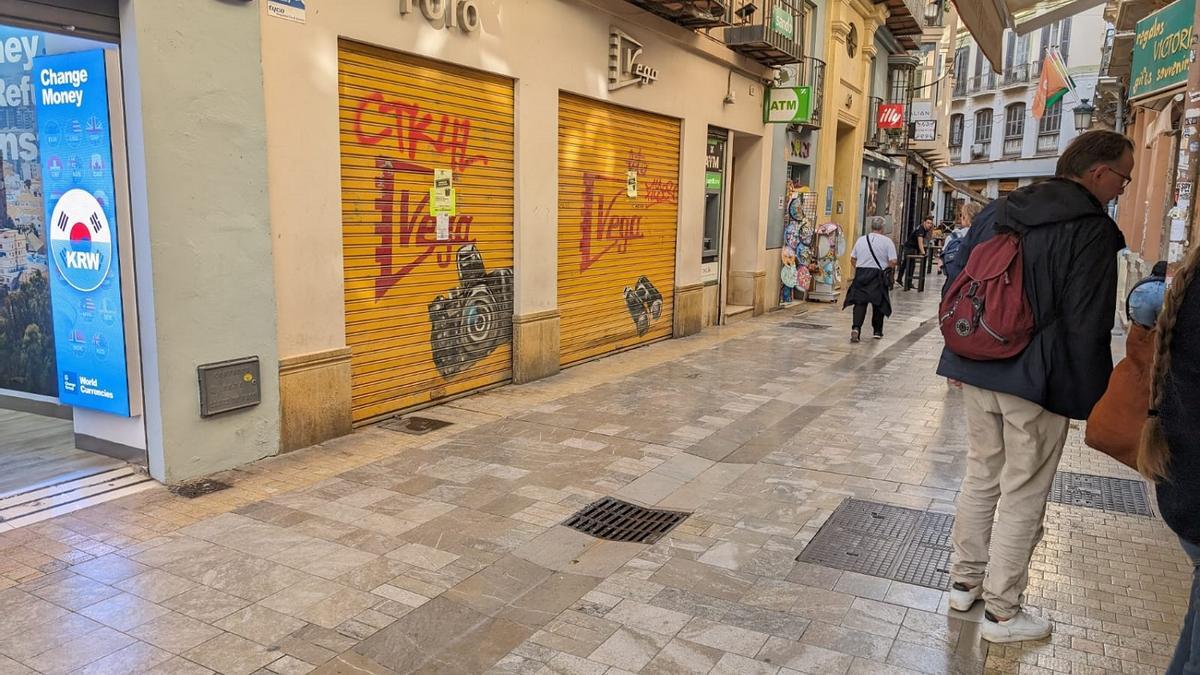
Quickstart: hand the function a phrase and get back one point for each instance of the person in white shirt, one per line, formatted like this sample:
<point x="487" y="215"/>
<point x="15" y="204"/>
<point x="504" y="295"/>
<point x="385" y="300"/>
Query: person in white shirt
<point x="873" y="258"/>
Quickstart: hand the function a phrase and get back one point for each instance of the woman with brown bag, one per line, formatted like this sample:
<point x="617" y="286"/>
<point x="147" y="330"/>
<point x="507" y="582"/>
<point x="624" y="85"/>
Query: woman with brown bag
<point x="1170" y="448"/>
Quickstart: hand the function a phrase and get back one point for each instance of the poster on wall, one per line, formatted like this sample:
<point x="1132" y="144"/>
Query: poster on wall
<point x="71" y="95"/>
<point x="26" y="333"/>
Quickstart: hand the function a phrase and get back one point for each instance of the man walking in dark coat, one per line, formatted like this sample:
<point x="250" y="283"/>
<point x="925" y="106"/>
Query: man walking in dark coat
<point x="873" y="256"/>
<point x="1019" y="409"/>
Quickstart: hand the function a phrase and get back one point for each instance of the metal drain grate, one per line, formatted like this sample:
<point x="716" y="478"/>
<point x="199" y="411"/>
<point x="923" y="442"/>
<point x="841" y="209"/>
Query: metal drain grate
<point x="1114" y="495"/>
<point x="197" y="488"/>
<point x="616" y="520"/>
<point x="414" y="425"/>
<point x="805" y="324"/>
<point x="882" y="540"/>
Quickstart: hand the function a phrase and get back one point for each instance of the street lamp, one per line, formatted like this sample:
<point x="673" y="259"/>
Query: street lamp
<point x="933" y="13"/>
<point x="1083" y="115"/>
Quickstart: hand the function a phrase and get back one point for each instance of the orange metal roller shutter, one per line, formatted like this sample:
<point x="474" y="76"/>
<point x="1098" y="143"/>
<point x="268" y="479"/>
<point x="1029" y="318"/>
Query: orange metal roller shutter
<point x="428" y="315"/>
<point x="616" y="252"/>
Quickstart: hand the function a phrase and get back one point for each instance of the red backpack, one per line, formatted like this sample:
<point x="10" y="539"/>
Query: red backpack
<point x="985" y="315"/>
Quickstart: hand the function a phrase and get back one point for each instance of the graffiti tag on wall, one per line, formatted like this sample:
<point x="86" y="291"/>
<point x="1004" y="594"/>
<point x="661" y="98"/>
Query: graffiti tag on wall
<point x="412" y="129"/>
<point x="602" y="230"/>
<point x="408" y="232"/>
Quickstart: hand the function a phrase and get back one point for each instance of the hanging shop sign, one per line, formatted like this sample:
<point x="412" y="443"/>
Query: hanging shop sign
<point x="625" y="65"/>
<point x="461" y="14"/>
<point x="783" y="21"/>
<point x="1161" y="47"/>
<point x="925" y="130"/>
<point x="787" y="105"/>
<point x="71" y="95"/>
<point x="891" y="116"/>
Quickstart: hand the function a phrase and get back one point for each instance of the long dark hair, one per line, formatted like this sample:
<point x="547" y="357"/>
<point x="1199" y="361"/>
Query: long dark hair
<point x="1154" y="455"/>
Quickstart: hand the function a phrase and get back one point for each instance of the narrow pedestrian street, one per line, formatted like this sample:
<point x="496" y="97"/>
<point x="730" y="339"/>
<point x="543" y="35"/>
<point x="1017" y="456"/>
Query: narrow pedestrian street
<point x="388" y="552"/>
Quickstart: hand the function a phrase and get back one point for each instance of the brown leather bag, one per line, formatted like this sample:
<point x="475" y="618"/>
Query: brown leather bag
<point x="1115" y="425"/>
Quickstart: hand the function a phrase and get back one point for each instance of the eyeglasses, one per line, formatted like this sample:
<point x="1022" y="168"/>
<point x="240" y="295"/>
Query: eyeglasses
<point x="1125" y="179"/>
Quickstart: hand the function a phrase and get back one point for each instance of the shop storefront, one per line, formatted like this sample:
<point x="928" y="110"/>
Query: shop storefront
<point x="509" y="205"/>
<point x="138" y="307"/>
<point x="70" y="361"/>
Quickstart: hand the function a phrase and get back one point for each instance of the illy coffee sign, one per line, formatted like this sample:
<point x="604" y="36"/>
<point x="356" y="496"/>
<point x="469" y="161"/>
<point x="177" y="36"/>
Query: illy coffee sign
<point x="891" y="116"/>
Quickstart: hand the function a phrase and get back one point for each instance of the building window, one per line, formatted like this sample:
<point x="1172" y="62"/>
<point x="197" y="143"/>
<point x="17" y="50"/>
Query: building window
<point x="962" y="57"/>
<point x="1014" y="129"/>
<point x="1048" y="128"/>
<point x="1057" y="34"/>
<point x="852" y="41"/>
<point x="956" y="137"/>
<point x="982" y="147"/>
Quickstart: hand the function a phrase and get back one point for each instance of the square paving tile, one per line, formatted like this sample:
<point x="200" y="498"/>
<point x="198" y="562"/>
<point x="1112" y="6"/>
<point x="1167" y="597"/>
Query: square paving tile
<point x="124" y="611"/>
<point x="259" y="624"/>
<point x="175" y="632"/>
<point x="232" y="655"/>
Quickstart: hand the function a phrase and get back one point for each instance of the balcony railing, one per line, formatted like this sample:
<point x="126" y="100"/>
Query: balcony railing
<point x="1023" y="74"/>
<point x="810" y="71"/>
<point x="982" y="84"/>
<point x="956" y="154"/>
<point x="692" y="14"/>
<point x="1012" y="146"/>
<point x="981" y="150"/>
<point x="874" y="133"/>
<point x="770" y="35"/>
<point x="960" y="87"/>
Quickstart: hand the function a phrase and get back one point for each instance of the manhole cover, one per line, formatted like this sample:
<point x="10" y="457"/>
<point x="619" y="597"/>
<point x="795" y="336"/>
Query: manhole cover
<point x="616" y="520"/>
<point x="806" y="325"/>
<point x="417" y="426"/>
<point x="882" y="540"/>
<point x="197" y="488"/>
<point x="1115" y="495"/>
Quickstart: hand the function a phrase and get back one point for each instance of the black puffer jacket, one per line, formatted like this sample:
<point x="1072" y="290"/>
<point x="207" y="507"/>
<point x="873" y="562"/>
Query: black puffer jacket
<point x="1070" y="247"/>
<point x="1179" y="497"/>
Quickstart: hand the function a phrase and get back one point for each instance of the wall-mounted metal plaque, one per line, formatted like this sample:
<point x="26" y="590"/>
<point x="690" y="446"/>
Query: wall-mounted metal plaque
<point x="229" y="385"/>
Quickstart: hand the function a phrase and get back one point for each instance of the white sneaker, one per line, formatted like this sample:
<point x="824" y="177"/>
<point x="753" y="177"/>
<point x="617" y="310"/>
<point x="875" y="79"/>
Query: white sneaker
<point x="1022" y="627"/>
<point x="962" y="600"/>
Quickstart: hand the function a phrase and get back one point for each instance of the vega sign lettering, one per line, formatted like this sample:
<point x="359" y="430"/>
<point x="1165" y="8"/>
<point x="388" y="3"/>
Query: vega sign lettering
<point x="787" y="105"/>
<point x="81" y="228"/>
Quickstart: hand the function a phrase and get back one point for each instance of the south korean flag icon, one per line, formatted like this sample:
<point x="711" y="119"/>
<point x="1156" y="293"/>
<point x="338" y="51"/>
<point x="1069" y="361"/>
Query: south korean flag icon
<point x="80" y="240"/>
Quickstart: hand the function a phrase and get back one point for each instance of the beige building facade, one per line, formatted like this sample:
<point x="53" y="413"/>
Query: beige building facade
<point x="578" y="175"/>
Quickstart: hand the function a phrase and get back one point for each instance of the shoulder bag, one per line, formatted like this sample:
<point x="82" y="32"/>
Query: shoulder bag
<point x="1115" y="425"/>
<point x="889" y="274"/>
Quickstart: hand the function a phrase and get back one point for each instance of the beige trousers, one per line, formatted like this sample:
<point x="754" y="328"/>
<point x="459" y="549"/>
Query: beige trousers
<point x="1014" y="451"/>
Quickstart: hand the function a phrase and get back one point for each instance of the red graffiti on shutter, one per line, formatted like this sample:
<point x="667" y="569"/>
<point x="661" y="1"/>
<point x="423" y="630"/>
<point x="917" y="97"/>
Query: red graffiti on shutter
<point x="414" y="131"/>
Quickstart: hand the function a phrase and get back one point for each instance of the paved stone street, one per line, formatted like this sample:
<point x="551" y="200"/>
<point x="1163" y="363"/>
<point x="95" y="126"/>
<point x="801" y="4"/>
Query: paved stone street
<point x="385" y="552"/>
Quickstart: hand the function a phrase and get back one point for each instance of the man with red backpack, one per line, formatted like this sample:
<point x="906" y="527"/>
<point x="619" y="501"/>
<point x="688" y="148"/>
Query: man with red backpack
<point x="1028" y="326"/>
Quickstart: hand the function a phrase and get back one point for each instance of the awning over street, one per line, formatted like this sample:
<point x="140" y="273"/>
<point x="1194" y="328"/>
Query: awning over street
<point x="986" y="20"/>
<point x="961" y="187"/>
